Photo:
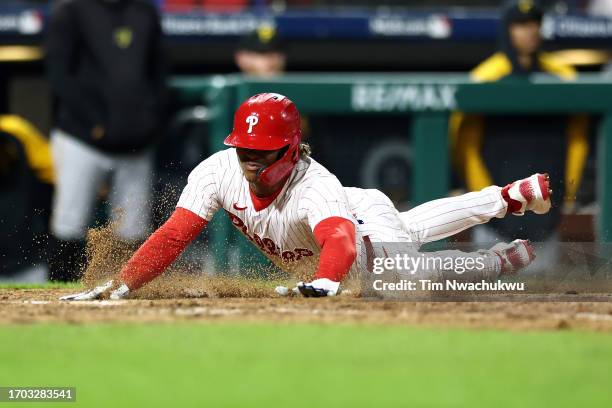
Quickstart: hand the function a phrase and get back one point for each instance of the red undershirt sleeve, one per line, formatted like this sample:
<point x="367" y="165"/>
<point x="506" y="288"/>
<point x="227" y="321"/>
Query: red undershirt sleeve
<point x="162" y="248"/>
<point x="336" y="235"/>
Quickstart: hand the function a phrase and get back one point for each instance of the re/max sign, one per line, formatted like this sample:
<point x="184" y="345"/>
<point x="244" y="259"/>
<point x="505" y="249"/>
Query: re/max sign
<point x="391" y="97"/>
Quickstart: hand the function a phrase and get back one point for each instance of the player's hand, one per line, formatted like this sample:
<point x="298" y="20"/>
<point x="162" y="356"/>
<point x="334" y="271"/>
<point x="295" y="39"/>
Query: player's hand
<point x="109" y="289"/>
<point x="317" y="288"/>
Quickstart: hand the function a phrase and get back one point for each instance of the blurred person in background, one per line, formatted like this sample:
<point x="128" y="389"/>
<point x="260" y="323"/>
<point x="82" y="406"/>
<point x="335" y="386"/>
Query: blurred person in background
<point x="26" y="185"/>
<point x="260" y="53"/>
<point x="493" y="148"/>
<point x="106" y="70"/>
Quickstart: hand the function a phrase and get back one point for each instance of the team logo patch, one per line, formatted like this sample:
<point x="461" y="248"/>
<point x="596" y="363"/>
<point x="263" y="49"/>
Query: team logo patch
<point x="123" y="37"/>
<point x="252" y="120"/>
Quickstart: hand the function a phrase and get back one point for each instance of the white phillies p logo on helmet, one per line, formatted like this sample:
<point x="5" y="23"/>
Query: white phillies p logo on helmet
<point x="252" y="120"/>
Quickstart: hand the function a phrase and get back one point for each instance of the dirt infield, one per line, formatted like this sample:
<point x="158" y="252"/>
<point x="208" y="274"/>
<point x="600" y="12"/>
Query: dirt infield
<point x="26" y="306"/>
<point x="178" y="296"/>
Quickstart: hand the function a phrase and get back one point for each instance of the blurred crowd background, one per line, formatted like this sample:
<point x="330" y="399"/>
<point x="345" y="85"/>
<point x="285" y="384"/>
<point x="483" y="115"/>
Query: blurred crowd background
<point x="91" y="130"/>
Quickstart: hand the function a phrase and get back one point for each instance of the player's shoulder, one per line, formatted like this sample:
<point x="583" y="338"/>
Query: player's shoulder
<point x="493" y="68"/>
<point x="316" y="172"/>
<point x="222" y="159"/>
<point x="313" y="178"/>
<point x="216" y="163"/>
<point x="553" y="65"/>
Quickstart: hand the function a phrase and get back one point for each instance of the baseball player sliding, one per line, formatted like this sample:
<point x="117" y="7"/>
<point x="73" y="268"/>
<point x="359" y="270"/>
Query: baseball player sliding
<point x="300" y="216"/>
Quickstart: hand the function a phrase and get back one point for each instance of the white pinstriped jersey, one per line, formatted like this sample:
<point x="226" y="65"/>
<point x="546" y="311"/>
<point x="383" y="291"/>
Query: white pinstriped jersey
<point x="283" y="231"/>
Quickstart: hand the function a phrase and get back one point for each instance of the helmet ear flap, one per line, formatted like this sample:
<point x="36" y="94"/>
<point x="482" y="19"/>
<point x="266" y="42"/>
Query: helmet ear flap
<point x="293" y="155"/>
<point x="282" y="167"/>
<point x="296" y="154"/>
<point x="282" y="152"/>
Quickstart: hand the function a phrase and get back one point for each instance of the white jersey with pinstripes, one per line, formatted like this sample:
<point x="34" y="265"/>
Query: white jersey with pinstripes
<point x="283" y="231"/>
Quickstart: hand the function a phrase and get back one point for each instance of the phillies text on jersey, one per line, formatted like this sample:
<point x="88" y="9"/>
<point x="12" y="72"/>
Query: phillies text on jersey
<point x="283" y="231"/>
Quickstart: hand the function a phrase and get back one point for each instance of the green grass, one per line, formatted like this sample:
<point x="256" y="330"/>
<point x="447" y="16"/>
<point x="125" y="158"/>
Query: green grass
<point x="298" y="365"/>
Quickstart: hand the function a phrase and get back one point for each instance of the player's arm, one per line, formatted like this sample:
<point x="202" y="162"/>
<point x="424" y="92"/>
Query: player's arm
<point x="336" y="236"/>
<point x="195" y="208"/>
<point x="327" y="213"/>
<point x="152" y="258"/>
<point x="162" y="248"/>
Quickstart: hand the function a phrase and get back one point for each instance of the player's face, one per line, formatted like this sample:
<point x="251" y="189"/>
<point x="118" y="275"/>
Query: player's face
<point x="253" y="161"/>
<point x="260" y="64"/>
<point x="526" y="37"/>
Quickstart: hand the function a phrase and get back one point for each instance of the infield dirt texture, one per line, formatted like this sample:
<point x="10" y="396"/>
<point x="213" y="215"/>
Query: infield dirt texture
<point x="41" y="306"/>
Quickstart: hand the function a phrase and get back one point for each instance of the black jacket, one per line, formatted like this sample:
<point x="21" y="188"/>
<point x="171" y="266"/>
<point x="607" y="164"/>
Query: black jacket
<point x="104" y="62"/>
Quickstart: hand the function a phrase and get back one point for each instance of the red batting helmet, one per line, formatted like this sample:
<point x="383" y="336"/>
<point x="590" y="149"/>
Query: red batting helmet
<point x="268" y="121"/>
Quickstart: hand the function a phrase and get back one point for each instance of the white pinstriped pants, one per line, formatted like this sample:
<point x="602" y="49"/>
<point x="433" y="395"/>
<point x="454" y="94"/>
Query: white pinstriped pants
<point x="445" y="217"/>
<point x="392" y="233"/>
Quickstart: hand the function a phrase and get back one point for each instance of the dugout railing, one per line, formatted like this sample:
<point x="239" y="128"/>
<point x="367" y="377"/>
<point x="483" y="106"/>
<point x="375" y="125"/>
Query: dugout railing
<point x="429" y="99"/>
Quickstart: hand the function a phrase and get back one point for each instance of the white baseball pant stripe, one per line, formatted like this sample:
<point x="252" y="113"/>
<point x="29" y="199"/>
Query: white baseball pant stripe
<point x="442" y="218"/>
<point x="445" y="217"/>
